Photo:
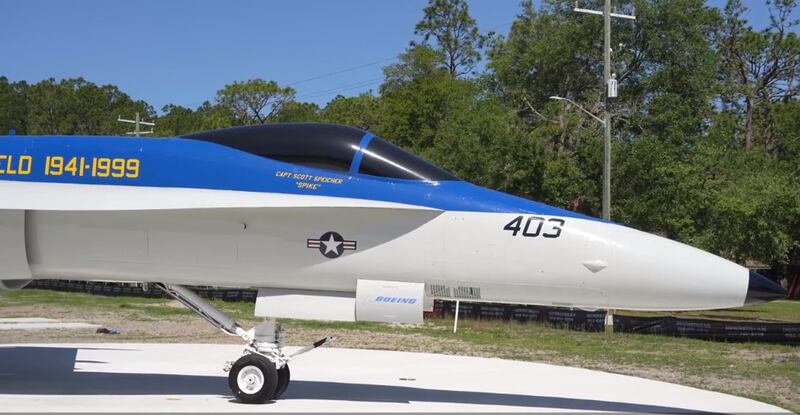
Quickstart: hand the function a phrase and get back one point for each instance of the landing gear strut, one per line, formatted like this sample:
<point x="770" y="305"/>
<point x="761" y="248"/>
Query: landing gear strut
<point x="262" y="373"/>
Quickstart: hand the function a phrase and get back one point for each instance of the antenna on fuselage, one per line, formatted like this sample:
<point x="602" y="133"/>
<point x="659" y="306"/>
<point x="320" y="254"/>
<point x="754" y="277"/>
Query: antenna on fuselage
<point x="137" y="129"/>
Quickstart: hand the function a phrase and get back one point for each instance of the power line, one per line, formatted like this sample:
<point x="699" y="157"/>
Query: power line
<point x="342" y="88"/>
<point x="342" y="71"/>
<point x="359" y="84"/>
<point x="493" y="28"/>
<point x="365" y="65"/>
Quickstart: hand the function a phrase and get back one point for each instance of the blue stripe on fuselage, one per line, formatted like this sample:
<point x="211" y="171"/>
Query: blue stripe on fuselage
<point x="185" y="163"/>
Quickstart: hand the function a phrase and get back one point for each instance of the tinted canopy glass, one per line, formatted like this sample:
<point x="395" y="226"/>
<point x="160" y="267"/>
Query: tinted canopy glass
<point x="384" y="159"/>
<point x="326" y="146"/>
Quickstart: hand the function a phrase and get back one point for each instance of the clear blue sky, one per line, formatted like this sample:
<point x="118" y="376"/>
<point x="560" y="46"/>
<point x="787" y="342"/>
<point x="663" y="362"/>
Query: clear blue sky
<point x="182" y="51"/>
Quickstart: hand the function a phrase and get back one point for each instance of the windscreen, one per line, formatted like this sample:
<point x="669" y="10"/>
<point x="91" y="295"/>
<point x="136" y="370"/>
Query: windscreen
<point x="384" y="159"/>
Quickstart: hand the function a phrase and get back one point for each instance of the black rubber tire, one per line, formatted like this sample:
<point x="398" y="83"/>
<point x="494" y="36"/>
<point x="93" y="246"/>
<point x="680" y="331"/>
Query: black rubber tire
<point x="284" y="375"/>
<point x="267" y="369"/>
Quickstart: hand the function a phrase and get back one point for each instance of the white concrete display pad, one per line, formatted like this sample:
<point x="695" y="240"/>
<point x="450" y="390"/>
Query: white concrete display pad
<point x="36" y="323"/>
<point x="127" y="377"/>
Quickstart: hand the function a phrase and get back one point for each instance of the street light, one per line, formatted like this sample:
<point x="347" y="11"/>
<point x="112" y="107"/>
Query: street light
<point x="606" y="154"/>
<point x="598" y="119"/>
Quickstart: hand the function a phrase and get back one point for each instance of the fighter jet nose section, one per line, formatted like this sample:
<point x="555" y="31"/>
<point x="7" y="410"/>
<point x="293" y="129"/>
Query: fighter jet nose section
<point x="762" y="289"/>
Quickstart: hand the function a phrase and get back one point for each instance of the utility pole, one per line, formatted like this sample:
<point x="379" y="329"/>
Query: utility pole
<point x="606" y="113"/>
<point x="610" y="88"/>
<point x="137" y="130"/>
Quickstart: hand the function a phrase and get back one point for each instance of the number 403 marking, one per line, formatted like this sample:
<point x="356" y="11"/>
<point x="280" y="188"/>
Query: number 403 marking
<point x="533" y="227"/>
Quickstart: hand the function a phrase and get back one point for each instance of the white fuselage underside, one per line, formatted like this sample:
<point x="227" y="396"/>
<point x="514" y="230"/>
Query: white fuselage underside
<point x="241" y="239"/>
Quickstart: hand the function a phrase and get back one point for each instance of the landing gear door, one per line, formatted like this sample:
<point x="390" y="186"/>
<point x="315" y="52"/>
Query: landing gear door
<point x="389" y="301"/>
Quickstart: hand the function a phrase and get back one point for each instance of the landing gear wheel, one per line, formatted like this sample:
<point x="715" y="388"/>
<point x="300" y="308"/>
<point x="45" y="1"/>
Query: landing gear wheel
<point x="283" y="381"/>
<point x="253" y="379"/>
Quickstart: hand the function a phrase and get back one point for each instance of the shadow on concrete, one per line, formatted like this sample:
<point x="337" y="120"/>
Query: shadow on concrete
<point x="301" y="389"/>
<point x="49" y="371"/>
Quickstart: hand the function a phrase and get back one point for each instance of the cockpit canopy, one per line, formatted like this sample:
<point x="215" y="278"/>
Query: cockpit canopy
<point x="325" y="146"/>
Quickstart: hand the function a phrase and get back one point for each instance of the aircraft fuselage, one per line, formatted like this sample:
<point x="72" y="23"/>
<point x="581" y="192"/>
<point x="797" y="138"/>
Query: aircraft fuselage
<point x="195" y="212"/>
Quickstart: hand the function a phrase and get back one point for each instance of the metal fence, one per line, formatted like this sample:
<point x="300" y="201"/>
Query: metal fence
<point x="717" y="330"/>
<point x="572" y="319"/>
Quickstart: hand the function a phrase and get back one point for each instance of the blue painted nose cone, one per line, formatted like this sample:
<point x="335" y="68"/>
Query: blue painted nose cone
<point x="762" y="289"/>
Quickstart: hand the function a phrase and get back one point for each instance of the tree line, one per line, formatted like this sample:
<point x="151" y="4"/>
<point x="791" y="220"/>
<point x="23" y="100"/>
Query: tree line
<point x="706" y="146"/>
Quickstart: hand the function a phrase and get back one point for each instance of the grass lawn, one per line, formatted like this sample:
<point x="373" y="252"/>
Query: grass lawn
<point x="769" y="373"/>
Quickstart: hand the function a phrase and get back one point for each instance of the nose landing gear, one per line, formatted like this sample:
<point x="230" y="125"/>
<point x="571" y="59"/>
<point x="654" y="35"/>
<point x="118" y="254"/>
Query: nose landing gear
<point x="262" y="373"/>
